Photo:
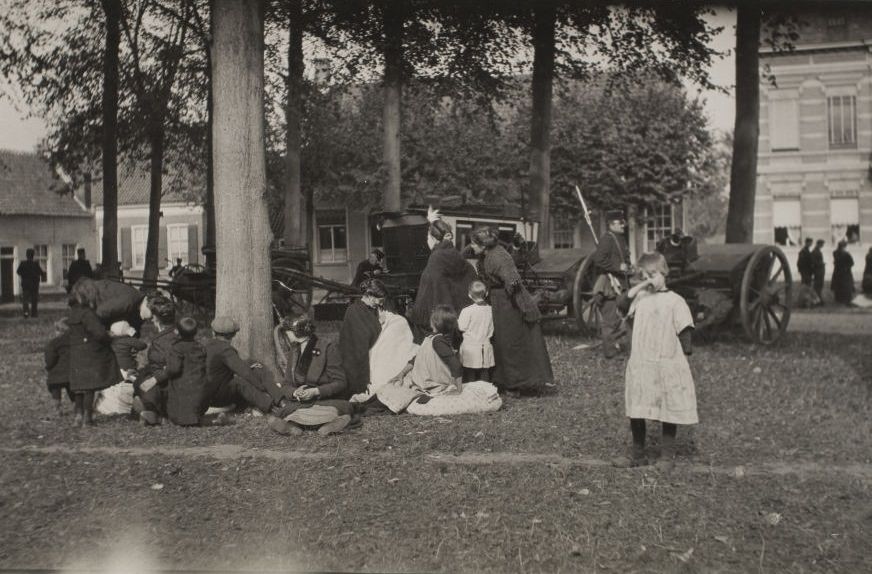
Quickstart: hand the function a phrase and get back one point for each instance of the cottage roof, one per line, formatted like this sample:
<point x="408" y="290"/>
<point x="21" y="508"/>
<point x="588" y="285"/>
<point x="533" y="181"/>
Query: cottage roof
<point x="134" y="186"/>
<point x="28" y="186"/>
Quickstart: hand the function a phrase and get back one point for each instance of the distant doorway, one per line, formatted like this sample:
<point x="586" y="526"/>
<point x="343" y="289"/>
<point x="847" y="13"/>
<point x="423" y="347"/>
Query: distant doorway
<point x="7" y="274"/>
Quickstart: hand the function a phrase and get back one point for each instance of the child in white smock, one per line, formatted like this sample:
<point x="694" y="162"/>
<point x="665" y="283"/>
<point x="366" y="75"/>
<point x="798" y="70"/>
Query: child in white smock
<point x="476" y="322"/>
<point x="658" y="382"/>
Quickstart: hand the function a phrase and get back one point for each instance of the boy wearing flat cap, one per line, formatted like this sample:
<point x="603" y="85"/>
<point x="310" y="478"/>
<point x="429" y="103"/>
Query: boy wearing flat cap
<point x="231" y="379"/>
<point x="612" y="261"/>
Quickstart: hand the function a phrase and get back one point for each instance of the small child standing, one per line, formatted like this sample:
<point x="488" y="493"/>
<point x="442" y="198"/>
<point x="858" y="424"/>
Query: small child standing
<point x="57" y="363"/>
<point x="126" y="346"/>
<point x="659" y="384"/>
<point x="476" y="322"/>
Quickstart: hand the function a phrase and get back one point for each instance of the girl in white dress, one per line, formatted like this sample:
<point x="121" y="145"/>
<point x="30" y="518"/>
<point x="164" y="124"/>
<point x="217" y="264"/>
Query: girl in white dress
<point x="476" y="322"/>
<point x="659" y="384"/>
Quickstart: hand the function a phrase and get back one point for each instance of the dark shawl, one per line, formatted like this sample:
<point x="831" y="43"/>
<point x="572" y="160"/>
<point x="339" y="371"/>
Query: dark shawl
<point x="445" y="281"/>
<point x="92" y="362"/>
<point x="359" y="332"/>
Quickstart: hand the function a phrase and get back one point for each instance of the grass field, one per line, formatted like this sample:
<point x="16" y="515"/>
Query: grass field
<point x="776" y="477"/>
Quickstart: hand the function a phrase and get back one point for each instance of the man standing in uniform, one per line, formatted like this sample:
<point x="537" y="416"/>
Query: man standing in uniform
<point x="818" y="269"/>
<point x="231" y="379"/>
<point x="31" y="274"/>
<point x="804" y="264"/>
<point x="79" y="268"/>
<point x="612" y="261"/>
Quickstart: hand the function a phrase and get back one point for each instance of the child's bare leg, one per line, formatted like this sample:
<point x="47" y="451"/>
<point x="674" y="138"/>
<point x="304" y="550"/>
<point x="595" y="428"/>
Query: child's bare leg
<point x="667" y="447"/>
<point x="78" y="408"/>
<point x="88" y="408"/>
<point x="637" y="456"/>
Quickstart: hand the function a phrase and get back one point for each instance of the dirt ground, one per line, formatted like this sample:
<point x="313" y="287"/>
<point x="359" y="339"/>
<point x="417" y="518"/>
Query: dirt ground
<point x="776" y="478"/>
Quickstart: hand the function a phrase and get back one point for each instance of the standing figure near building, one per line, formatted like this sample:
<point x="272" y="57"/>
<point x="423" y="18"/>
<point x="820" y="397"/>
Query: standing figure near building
<point x="818" y="269"/>
<point x="842" y="282"/>
<point x="444" y="281"/>
<point x="612" y="261"/>
<point x="79" y="268"/>
<point x="520" y="353"/>
<point x="804" y="262"/>
<point x="867" y="275"/>
<point x="31" y="274"/>
<point x="370" y="268"/>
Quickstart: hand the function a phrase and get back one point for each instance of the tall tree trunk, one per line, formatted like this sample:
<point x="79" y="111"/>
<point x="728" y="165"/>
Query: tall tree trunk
<point x="295" y="212"/>
<point x="393" y="88"/>
<point x="109" y="258"/>
<point x="544" y="22"/>
<point x="209" y="203"/>
<point x="152" y="246"/>
<point x="244" y="235"/>
<point x="743" y="173"/>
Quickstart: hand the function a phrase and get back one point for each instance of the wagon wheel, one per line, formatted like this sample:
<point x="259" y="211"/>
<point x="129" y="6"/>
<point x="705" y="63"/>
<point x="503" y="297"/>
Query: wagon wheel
<point x="585" y="305"/>
<point x="765" y="297"/>
<point x="295" y="291"/>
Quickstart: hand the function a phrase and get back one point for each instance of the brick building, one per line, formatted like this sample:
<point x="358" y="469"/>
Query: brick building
<point x="816" y="136"/>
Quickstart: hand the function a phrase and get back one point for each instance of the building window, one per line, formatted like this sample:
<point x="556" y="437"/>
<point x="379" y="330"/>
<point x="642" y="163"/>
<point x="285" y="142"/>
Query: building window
<point x="783" y="122"/>
<point x="68" y="253"/>
<point x="837" y="28"/>
<point x="845" y="219"/>
<point x="332" y="236"/>
<point x="787" y="221"/>
<point x="138" y="241"/>
<point x="40" y="255"/>
<point x="843" y="121"/>
<point x="563" y="231"/>
<point x="177" y="239"/>
<point x="658" y="223"/>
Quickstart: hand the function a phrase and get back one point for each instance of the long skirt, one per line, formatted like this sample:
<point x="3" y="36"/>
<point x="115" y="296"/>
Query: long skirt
<point x="522" y="361"/>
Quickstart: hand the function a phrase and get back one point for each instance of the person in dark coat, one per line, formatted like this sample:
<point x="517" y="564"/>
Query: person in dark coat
<point x="867" y="275"/>
<point x="842" y="282"/>
<point x="359" y="332"/>
<point x="818" y="270"/>
<point x="370" y="268"/>
<point x="804" y="263"/>
<point x="184" y="396"/>
<point x="92" y="362"/>
<point x="57" y="364"/>
<point x="121" y="302"/>
<point x="234" y="381"/>
<point x="444" y="281"/>
<point x="612" y="261"/>
<point x="79" y="268"/>
<point x="520" y="353"/>
<point x="314" y="377"/>
<point x="31" y="274"/>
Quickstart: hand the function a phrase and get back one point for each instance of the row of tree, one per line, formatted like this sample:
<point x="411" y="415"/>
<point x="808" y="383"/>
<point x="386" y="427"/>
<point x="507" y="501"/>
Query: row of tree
<point x="138" y="79"/>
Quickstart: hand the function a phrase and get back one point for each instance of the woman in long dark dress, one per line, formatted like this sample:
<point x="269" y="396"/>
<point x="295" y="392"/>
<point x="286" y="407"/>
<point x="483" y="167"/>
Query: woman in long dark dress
<point x="842" y="282"/>
<point x="522" y="361"/>
<point x="444" y="281"/>
<point x="867" y="275"/>
<point x="92" y="363"/>
<point x="359" y="331"/>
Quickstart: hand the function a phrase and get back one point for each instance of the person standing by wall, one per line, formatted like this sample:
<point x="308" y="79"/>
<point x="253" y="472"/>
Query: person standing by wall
<point x="31" y="274"/>
<point x="804" y="263"/>
<point x="842" y="282"/>
<point x="818" y="269"/>
<point x="79" y="268"/>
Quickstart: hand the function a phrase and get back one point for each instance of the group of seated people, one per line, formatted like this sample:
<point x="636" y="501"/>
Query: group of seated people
<point x="190" y="377"/>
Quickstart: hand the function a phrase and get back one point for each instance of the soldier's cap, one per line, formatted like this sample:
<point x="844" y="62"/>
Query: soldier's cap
<point x="615" y="215"/>
<point x="224" y="326"/>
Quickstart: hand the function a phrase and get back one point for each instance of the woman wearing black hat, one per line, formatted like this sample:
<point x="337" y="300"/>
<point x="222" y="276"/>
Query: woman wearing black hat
<point x="522" y="361"/>
<point x="359" y="332"/>
<point x="444" y="281"/>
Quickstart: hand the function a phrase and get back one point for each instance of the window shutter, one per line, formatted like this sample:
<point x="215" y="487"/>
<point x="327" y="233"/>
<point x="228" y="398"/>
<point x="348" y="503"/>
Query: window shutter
<point x="126" y="248"/>
<point x="784" y="123"/>
<point x="193" y="244"/>
<point x="162" y="248"/>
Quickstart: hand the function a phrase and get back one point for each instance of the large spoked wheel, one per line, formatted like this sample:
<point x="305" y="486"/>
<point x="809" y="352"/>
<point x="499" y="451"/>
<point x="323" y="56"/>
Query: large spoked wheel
<point x="765" y="298"/>
<point x="585" y="306"/>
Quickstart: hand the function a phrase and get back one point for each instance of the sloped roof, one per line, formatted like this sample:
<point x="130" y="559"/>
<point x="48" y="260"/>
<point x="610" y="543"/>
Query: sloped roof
<point x="134" y="185"/>
<point x="28" y="186"/>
